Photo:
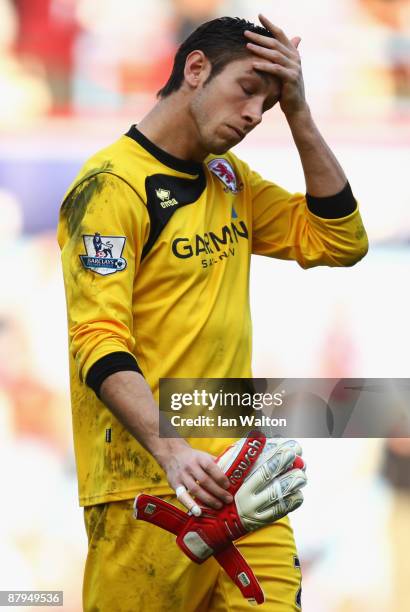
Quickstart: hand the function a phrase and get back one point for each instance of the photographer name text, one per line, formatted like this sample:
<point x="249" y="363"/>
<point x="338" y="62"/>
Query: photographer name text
<point x="220" y="421"/>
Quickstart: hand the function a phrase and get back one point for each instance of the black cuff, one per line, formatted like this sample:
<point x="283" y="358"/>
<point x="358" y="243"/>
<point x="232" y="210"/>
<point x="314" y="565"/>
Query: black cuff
<point x="333" y="207"/>
<point x="119" y="361"/>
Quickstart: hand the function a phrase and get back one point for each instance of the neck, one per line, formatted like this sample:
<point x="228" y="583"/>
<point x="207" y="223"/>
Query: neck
<point x="170" y="126"/>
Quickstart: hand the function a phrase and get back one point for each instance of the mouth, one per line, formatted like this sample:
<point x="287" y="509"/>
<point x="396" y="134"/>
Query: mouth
<point x="237" y="131"/>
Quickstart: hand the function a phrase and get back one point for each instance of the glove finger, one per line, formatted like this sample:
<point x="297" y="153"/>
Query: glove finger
<point x="279" y="462"/>
<point x="255" y="520"/>
<point x="274" y="443"/>
<point x="300" y="463"/>
<point x="280" y="508"/>
<point x="290" y="443"/>
<point x="288" y="504"/>
<point x="283" y="486"/>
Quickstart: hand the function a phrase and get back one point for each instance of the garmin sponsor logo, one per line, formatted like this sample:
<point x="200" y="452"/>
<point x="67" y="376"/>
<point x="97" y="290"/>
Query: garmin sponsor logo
<point x="242" y="467"/>
<point x="210" y="242"/>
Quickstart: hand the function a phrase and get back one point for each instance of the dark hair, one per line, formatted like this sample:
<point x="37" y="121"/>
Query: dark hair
<point x="222" y="41"/>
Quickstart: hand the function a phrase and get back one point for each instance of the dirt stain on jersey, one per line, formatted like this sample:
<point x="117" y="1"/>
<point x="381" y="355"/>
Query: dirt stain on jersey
<point x="124" y="464"/>
<point x="150" y="569"/>
<point x="156" y="478"/>
<point x="130" y="463"/>
<point x="77" y="202"/>
<point x="95" y="524"/>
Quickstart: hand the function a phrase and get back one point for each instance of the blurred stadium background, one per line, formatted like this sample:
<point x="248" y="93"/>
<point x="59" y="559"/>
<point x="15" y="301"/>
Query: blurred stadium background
<point x="74" y="74"/>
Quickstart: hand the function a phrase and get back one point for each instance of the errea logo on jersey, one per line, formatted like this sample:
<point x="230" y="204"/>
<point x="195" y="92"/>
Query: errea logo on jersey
<point x="164" y="196"/>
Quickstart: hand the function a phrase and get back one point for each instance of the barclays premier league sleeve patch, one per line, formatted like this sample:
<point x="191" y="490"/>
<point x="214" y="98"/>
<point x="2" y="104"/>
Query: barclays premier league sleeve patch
<point x="103" y="254"/>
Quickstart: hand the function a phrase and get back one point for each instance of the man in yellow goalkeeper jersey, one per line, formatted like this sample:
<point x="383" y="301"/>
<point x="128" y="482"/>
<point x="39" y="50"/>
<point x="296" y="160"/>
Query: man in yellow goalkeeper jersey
<point x="156" y="234"/>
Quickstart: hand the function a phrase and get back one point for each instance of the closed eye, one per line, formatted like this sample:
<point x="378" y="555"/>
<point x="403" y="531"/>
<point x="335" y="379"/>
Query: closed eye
<point x="246" y="91"/>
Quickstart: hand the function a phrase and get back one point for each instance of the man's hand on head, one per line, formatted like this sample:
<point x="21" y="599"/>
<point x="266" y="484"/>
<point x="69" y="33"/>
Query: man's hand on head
<point x="280" y="57"/>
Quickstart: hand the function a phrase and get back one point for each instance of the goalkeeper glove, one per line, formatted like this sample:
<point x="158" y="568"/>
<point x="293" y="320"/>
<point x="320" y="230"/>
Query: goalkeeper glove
<point x="266" y="477"/>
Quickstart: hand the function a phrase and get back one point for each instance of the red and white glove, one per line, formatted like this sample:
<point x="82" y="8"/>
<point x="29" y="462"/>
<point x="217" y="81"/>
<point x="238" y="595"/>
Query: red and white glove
<point x="266" y="477"/>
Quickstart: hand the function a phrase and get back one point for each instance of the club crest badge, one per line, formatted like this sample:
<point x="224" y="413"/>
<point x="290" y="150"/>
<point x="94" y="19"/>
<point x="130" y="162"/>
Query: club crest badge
<point x="103" y="253"/>
<point x="224" y="171"/>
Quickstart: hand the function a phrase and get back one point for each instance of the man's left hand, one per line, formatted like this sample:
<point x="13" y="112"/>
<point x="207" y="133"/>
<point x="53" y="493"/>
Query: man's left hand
<point x="279" y="57"/>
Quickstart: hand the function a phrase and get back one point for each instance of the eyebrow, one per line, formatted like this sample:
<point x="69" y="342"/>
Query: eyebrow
<point x="252" y="72"/>
<point x="257" y="73"/>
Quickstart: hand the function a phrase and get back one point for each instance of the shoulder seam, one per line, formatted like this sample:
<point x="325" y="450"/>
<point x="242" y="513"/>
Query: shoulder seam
<point x="91" y="176"/>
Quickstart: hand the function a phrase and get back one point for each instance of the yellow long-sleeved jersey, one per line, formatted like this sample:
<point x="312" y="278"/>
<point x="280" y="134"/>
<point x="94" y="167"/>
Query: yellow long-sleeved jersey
<point x="156" y="254"/>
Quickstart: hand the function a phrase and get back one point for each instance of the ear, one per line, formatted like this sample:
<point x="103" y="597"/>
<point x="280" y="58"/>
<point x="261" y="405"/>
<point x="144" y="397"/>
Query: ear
<point x="197" y="68"/>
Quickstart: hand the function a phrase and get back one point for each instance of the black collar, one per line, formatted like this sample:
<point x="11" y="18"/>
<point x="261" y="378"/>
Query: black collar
<point x="181" y="165"/>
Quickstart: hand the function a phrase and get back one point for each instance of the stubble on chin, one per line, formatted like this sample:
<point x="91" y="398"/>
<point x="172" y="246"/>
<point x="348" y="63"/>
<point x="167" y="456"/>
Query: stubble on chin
<point x="219" y="150"/>
<point x="217" y="145"/>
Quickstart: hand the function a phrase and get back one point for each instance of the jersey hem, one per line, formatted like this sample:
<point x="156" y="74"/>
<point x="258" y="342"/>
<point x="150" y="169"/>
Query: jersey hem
<point x="112" y="496"/>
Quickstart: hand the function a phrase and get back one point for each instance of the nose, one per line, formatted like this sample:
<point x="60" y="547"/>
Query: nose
<point x="252" y="113"/>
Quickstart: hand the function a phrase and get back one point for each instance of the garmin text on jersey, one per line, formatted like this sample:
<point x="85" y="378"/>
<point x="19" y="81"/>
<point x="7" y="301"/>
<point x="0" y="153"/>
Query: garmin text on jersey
<point x="219" y="245"/>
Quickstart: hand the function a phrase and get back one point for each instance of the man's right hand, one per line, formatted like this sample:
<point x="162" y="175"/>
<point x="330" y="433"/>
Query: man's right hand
<point x="195" y="473"/>
<point x="189" y="472"/>
<point x="265" y="477"/>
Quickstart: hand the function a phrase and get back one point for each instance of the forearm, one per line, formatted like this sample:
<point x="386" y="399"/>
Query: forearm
<point x="324" y="175"/>
<point x="129" y="398"/>
<point x="278" y="56"/>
